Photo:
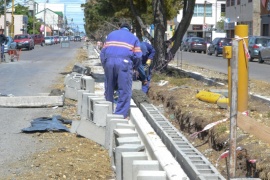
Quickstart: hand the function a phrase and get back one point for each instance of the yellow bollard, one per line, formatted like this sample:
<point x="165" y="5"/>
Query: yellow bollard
<point x="241" y="31"/>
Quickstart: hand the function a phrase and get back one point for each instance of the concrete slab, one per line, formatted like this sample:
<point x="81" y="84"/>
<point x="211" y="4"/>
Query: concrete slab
<point x="89" y="130"/>
<point x="31" y="101"/>
<point x="127" y="162"/>
<point x="100" y="113"/>
<point x="128" y="140"/>
<point x="118" y="154"/>
<point x="74" y="126"/>
<point x="151" y="175"/>
<point x="144" y="165"/>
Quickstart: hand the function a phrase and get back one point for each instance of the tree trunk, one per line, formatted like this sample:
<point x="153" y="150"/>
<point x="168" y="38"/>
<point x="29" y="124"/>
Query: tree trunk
<point x="188" y="10"/>
<point x="160" y="28"/>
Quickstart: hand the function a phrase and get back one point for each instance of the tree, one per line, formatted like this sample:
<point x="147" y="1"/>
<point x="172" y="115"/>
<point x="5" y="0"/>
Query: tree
<point x="144" y="13"/>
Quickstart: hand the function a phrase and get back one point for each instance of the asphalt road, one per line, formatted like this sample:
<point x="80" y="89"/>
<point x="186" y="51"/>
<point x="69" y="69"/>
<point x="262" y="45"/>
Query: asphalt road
<point x="256" y="70"/>
<point x="34" y="74"/>
<point x="36" y="69"/>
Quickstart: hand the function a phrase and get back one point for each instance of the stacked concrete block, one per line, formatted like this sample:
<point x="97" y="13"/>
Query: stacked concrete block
<point x="100" y="111"/>
<point x="111" y="121"/>
<point x="92" y="101"/>
<point x="84" y="106"/>
<point x="155" y="147"/>
<point x="79" y="100"/>
<point x="128" y="140"/>
<point x="118" y="154"/>
<point x="127" y="162"/>
<point x="144" y="165"/>
<point x="152" y="175"/>
<point x="89" y="117"/>
<point x="88" y="83"/>
<point x="125" y="126"/>
<point x="72" y="85"/>
<point x="136" y="85"/>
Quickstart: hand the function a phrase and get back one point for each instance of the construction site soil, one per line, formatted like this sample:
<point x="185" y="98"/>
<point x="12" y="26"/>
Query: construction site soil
<point x="75" y="157"/>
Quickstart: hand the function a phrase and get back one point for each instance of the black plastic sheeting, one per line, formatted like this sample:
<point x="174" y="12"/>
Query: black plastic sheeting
<point x="44" y="124"/>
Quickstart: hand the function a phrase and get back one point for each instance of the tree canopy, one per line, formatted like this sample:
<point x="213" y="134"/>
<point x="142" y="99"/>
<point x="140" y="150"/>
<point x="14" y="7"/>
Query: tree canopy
<point x="103" y="16"/>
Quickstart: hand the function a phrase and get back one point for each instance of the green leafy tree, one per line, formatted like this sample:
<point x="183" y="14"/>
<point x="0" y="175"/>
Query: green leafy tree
<point x="2" y="6"/>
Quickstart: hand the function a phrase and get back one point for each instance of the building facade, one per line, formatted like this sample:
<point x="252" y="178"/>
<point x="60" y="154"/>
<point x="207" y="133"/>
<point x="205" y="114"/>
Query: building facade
<point x="243" y="12"/>
<point x="54" y="21"/>
<point x="204" y="22"/>
<point x="20" y="24"/>
<point x="265" y="17"/>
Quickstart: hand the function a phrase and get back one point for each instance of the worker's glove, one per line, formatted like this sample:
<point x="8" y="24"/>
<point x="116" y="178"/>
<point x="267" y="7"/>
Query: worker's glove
<point x="148" y="62"/>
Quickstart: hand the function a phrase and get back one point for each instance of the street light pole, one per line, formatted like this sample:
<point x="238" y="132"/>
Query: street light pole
<point x="5" y="17"/>
<point x="34" y="15"/>
<point x="204" y="25"/>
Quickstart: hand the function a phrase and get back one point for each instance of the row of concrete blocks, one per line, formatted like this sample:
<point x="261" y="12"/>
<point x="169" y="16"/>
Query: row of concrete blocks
<point x="133" y="154"/>
<point x="192" y="161"/>
<point x="74" y="82"/>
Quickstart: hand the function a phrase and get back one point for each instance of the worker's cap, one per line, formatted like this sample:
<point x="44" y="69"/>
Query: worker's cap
<point x="125" y="25"/>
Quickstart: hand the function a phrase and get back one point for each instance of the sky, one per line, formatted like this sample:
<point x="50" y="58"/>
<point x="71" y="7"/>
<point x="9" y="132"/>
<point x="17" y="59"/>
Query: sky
<point x="73" y="10"/>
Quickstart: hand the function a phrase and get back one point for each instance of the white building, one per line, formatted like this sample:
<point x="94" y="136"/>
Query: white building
<point x="20" y="24"/>
<point x="205" y="18"/>
<point x="54" y="21"/>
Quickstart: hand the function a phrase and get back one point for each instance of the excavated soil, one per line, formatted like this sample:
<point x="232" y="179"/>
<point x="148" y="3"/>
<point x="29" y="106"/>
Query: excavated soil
<point x="189" y="115"/>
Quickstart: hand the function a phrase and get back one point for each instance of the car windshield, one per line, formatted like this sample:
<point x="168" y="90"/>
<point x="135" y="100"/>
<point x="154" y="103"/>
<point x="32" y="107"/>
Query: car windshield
<point x="198" y="40"/>
<point x="20" y="37"/>
<point x="262" y="41"/>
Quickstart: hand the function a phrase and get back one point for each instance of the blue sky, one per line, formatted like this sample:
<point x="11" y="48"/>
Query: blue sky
<point x="72" y="10"/>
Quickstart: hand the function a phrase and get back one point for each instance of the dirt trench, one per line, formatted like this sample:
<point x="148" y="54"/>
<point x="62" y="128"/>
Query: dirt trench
<point x="190" y="115"/>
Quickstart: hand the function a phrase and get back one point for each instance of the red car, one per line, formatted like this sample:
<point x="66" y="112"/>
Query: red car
<point x="38" y="39"/>
<point x="24" y="41"/>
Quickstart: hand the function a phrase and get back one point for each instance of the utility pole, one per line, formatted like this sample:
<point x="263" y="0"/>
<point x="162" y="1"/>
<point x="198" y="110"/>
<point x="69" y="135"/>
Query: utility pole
<point x="34" y="15"/>
<point x="45" y="18"/>
<point x="12" y="20"/>
<point x="204" y="25"/>
<point x="5" y="17"/>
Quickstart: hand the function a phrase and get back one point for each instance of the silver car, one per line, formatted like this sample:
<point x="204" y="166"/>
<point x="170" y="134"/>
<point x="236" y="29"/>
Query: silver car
<point x="255" y="44"/>
<point x="10" y="44"/>
<point x="264" y="53"/>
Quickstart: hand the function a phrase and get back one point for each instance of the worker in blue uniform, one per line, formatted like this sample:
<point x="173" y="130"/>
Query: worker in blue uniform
<point x="121" y="54"/>
<point x="148" y="53"/>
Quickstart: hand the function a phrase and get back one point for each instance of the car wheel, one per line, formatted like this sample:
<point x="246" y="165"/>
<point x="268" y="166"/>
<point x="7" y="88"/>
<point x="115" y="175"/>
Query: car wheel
<point x="199" y="51"/>
<point x="204" y="52"/>
<point x="216" y="53"/>
<point x="260" y="58"/>
<point x="250" y="58"/>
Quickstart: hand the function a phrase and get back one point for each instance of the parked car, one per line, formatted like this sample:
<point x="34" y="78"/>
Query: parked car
<point x="264" y="53"/>
<point x="11" y="44"/>
<point x="216" y="46"/>
<point x="255" y="44"/>
<point x="24" y="41"/>
<point x="49" y="40"/>
<point x="183" y="46"/>
<point x="196" y="44"/>
<point x="38" y="39"/>
<point x="57" y="39"/>
<point x="77" y="38"/>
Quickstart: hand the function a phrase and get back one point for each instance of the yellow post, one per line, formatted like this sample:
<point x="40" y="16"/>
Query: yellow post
<point x="227" y="54"/>
<point x="241" y="31"/>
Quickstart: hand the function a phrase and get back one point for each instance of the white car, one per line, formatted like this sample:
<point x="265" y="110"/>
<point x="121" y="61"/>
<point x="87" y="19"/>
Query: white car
<point x="49" y="40"/>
